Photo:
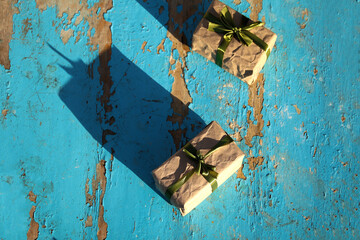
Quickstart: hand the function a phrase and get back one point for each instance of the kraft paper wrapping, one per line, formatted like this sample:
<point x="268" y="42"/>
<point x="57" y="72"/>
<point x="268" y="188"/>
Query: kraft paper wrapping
<point x="227" y="160"/>
<point x="245" y="62"/>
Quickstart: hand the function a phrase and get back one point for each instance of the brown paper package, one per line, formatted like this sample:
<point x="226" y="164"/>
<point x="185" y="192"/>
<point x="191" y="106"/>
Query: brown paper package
<point x="245" y="62"/>
<point x="227" y="160"/>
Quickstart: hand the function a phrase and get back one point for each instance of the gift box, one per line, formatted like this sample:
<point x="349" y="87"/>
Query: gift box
<point x="196" y="170"/>
<point x="233" y="41"/>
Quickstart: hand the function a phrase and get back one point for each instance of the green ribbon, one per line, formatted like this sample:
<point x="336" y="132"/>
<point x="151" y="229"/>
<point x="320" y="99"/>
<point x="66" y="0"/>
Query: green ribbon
<point x="206" y="170"/>
<point x="225" y="25"/>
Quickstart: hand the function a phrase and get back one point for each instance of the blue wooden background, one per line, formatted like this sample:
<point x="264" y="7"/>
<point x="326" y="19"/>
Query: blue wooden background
<point x="95" y="94"/>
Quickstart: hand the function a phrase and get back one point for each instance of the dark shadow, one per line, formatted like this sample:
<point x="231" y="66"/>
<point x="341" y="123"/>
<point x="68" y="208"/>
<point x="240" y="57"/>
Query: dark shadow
<point x="180" y="17"/>
<point x="126" y="113"/>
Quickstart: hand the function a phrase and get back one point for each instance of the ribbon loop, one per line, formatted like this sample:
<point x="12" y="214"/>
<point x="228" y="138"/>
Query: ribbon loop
<point x="206" y="170"/>
<point x="225" y="25"/>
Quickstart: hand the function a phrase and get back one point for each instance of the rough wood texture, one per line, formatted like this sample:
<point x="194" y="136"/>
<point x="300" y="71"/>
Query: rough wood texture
<point x="96" y="94"/>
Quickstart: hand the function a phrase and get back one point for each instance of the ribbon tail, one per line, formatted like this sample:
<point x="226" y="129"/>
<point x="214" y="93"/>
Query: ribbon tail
<point x="212" y="180"/>
<point x="221" y="50"/>
<point x="258" y="42"/>
<point x="213" y="173"/>
<point x="177" y="185"/>
<point x="245" y="39"/>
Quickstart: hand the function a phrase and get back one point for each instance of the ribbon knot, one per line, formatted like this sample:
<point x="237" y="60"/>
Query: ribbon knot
<point x="225" y="25"/>
<point x="200" y="168"/>
<point x="199" y="156"/>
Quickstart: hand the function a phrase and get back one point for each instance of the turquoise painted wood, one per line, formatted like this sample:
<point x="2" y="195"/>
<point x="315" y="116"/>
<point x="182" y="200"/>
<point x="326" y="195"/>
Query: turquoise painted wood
<point x="96" y="94"/>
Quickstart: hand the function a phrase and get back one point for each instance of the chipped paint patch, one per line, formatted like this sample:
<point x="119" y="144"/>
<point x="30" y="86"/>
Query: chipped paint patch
<point x="302" y="16"/>
<point x="160" y="46"/>
<point x="89" y="221"/>
<point x="236" y="2"/>
<point x="89" y="198"/>
<point x="33" y="231"/>
<point x="256" y="7"/>
<point x="7" y="11"/>
<point x="100" y="37"/>
<point x="298" y="111"/>
<point x="254" y="162"/>
<point x="32" y="196"/>
<point x="256" y="99"/>
<point x="66" y="35"/>
<point x="332" y="137"/>
<point x="101" y="178"/>
<point x="240" y="173"/>
<point x="143" y="45"/>
<point x="315" y="71"/>
<point x="180" y="94"/>
<point x="4" y="112"/>
<point x="305" y="14"/>
<point x="26" y="27"/>
<point x="236" y="128"/>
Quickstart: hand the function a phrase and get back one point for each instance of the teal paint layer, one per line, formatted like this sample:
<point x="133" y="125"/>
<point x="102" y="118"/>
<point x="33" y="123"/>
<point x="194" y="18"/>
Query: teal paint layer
<point x="52" y="135"/>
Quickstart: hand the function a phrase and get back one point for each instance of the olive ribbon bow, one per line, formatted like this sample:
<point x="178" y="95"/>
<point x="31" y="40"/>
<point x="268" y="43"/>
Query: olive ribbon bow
<point x="225" y="25"/>
<point x="201" y="168"/>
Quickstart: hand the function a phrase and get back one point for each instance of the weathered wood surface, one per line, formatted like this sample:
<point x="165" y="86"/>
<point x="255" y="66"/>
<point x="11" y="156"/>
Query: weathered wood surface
<point x="95" y="94"/>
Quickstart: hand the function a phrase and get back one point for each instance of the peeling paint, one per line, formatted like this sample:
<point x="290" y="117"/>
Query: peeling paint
<point x="6" y="29"/>
<point x="180" y="93"/>
<point x="256" y="99"/>
<point x="315" y="71"/>
<point x="160" y="46"/>
<point x="314" y="151"/>
<point x="143" y="45"/>
<point x="4" y="112"/>
<point x="26" y="27"/>
<point x="100" y="37"/>
<point x="32" y="196"/>
<point x="89" y="198"/>
<point x="236" y="2"/>
<point x="98" y="180"/>
<point x="89" y="221"/>
<point x="236" y="128"/>
<point x="254" y="162"/>
<point x="240" y="173"/>
<point x="101" y="178"/>
<point x="180" y="103"/>
<point x="66" y="35"/>
<point x="256" y="7"/>
<point x="33" y="232"/>
<point x="305" y="13"/>
<point x="298" y="111"/>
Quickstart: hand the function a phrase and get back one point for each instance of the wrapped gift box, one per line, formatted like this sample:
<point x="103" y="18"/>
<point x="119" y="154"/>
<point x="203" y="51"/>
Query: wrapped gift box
<point x="245" y="62"/>
<point x="227" y="159"/>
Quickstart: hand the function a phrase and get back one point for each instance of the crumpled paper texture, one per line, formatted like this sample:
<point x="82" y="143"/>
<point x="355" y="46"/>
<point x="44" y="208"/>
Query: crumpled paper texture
<point x="245" y="62"/>
<point x="227" y="160"/>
